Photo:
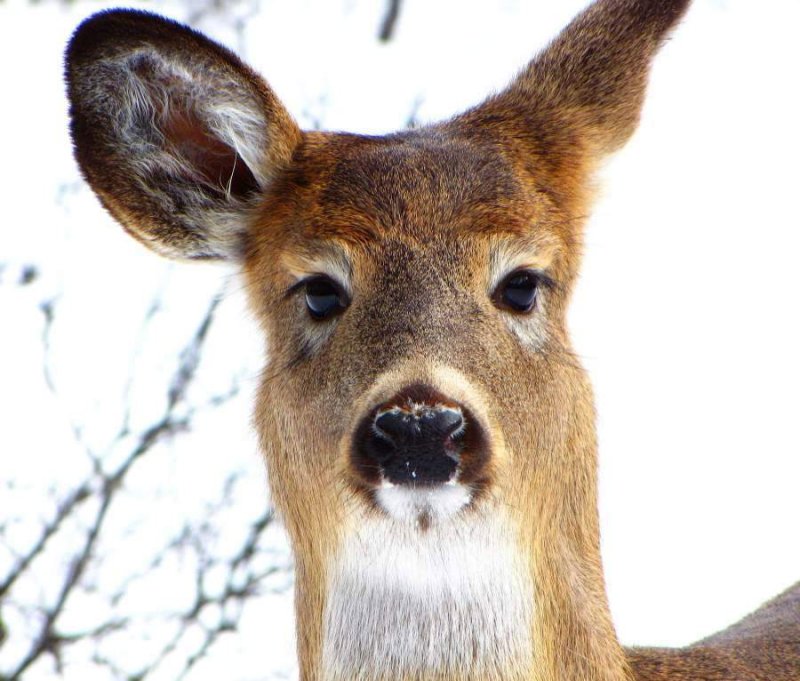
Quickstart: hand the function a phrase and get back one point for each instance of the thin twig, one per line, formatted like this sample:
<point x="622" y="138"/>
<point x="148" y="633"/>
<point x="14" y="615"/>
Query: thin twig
<point x="389" y="21"/>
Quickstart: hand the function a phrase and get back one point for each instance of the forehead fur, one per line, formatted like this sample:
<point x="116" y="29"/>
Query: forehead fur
<point x="413" y="177"/>
<point x="415" y="185"/>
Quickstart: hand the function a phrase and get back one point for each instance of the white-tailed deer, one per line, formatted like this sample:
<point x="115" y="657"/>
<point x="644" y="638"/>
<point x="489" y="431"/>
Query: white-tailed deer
<point x="428" y="433"/>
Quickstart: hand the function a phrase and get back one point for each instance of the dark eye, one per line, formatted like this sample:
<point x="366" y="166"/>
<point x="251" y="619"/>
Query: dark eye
<point x="324" y="298"/>
<point x="517" y="292"/>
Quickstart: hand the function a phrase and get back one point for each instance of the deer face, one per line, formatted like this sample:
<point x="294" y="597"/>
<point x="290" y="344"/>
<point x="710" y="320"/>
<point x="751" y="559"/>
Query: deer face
<point x="413" y="292"/>
<point x="428" y="433"/>
<point x="415" y="321"/>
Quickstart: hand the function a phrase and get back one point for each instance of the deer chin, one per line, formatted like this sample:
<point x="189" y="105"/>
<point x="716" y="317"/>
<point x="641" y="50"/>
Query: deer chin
<point x="423" y="506"/>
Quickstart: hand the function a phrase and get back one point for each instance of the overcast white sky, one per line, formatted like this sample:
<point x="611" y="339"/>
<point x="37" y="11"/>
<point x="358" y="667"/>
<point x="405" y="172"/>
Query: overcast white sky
<point x="686" y="315"/>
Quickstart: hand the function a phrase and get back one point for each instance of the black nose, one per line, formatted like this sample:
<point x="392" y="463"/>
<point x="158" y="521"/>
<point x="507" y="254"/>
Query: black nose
<point x="414" y="443"/>
<point x="420" y="437"/>
<point x="427" y="425"/>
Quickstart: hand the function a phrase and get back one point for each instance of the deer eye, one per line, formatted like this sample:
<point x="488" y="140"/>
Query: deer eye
<point x="324" y="298"/>
<point x="517" y="292"/>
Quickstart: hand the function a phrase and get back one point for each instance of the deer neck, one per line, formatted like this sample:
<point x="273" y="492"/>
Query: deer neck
<point x="453" y="601"/>
<point x="497" y="595"/>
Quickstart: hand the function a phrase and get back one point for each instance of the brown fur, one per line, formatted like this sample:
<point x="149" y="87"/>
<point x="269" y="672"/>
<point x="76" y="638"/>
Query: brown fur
<point x="417" y="218"/>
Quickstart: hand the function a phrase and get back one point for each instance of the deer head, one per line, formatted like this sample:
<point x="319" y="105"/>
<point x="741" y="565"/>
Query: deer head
<point x="428" y="432"/>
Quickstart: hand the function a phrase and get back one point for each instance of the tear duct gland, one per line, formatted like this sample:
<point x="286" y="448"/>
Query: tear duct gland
<point x="419" y="393"/>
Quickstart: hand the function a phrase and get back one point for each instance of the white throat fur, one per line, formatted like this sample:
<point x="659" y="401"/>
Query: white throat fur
<point x="452" y="601"/>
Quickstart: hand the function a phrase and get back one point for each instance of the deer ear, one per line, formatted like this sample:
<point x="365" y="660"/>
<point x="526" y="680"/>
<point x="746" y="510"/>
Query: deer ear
<point x="173" y="132"/>
<point x="588" y="85"/>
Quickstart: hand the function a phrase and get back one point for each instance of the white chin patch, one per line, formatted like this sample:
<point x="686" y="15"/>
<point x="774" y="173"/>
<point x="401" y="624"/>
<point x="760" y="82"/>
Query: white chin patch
<point x="415" y="504"/>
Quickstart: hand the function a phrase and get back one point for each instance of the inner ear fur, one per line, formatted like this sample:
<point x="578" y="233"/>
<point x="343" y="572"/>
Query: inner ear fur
<point x="583" y="94"/>
<point x="173" y="132"/>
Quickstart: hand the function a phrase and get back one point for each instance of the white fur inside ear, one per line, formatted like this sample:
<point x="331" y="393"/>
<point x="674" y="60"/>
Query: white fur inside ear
<point x="154" y="87"/>
<point x="171" y="116"/>
<point x="244" y="130"/>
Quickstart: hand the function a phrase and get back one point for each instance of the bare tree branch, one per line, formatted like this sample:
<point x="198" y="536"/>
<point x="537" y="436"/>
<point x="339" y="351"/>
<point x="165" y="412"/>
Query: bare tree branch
<point x="76" y="497"/>
<point x="242" y="574"/>
<point x="389" y="22"/>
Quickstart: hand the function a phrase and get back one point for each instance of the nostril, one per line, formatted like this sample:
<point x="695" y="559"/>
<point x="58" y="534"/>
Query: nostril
<point x="447" y="423"/>
<point x="394" y="425"/>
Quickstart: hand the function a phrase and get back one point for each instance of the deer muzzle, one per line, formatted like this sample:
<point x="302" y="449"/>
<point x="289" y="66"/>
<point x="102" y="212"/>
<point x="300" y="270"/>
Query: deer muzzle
<point x="420" y="452"/>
